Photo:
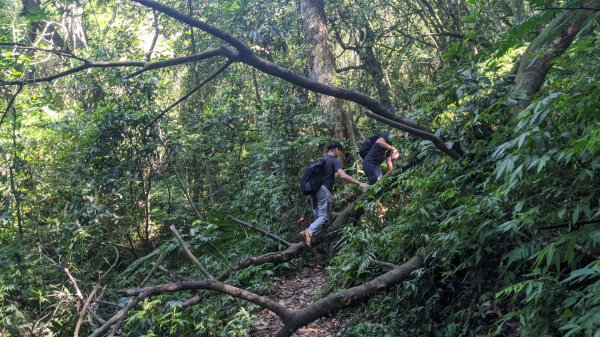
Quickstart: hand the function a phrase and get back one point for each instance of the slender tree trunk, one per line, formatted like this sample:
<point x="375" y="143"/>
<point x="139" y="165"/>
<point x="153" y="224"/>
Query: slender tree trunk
<point x="518" y="8"/>
<point x="73" y="21"/>
<point x="322" y="68"/>
<point x="374" y="68"/>
<point x="12" y="169"/>
<point x="537" y="60"/>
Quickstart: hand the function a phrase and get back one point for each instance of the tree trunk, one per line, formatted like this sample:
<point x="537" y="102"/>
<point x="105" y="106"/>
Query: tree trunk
<point x="72" y="20"/>
<point x="43" y="28"/>
<point x="518" y="8"/>
<point x="322" y="68"/>
<point x="374" y="68"/>
<point x="537" y="60"/>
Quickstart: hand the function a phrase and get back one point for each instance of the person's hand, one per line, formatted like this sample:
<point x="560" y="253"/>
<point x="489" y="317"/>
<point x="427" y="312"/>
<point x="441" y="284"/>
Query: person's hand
<point x="363" y="185"/>
<point x="395" y="155"/>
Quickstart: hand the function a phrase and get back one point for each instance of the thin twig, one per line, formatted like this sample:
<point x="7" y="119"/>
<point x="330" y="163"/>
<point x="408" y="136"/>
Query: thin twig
<point x="260" y="230"/>
<point x="154" y="267"/>
<point x="215" y="74"/>
<point x="568" y="224"/>
<point x="73" y="281"/>
<point x="111" y="266"/>
<point x="189" y="253"/>
<point x="10" y="104"/>
<point x="108" y="303"/>
<point x="86" y="305"/>
<point x="565" y="8"/>
<point x="51" y="51"/>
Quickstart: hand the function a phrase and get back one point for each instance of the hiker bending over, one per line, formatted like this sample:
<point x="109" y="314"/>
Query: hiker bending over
<point x="379" y="150"/>
<point x="321" y="200"/>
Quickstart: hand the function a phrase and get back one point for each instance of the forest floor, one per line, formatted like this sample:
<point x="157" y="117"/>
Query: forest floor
<point x="295" y="291"/>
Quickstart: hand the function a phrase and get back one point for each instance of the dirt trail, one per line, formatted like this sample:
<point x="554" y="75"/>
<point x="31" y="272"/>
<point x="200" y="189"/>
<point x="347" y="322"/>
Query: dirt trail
<point x="295" y="291"/>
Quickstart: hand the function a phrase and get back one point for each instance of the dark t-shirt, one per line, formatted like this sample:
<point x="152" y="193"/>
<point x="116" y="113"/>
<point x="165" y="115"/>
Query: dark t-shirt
<point x="377" y="154"/>
<point x="332" y="164"/>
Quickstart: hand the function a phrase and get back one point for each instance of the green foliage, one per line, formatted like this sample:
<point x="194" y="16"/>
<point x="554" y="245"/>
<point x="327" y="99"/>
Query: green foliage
<point x="83" y="173"/>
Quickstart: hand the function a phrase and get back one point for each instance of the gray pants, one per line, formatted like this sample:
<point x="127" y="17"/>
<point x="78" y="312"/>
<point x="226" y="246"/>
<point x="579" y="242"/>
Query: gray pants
<point x="321" y="203"/>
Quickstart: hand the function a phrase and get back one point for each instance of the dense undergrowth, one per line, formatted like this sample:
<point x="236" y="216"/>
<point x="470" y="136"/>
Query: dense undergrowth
<point x="501" y="264"/>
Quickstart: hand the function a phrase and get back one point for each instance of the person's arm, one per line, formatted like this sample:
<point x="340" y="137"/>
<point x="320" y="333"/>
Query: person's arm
<point x="344" y="176"/>
<point x="389" y="163"/>
<point x="383" y="144"/>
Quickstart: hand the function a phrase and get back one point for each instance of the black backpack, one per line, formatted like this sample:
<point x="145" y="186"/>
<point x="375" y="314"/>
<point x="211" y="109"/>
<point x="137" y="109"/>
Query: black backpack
<point x="312" y="179"/>
<point x="366" y="145"/>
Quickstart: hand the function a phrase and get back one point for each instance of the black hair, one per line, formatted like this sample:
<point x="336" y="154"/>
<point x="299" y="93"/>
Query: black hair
<point x="334" y="144"/>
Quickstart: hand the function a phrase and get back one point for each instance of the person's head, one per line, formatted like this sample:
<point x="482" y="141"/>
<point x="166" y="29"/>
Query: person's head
<point x="335" y="148"/>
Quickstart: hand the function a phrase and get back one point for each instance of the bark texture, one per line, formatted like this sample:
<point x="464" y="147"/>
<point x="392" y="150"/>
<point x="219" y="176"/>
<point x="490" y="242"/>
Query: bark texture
<point x="322" y="68"/>
<point x="537" y="60"/>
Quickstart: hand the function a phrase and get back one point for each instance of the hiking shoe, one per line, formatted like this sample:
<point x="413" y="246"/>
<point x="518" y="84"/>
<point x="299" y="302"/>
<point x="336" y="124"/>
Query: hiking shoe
<point x="307" y="238"/>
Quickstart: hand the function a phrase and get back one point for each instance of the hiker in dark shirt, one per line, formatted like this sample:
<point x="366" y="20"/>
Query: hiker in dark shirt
<point x="321" y="201"/>
<point x="379" y="152"/>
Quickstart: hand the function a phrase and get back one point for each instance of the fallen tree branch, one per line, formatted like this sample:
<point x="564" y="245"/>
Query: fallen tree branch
<point x="189" y="253"/>
<point x="295" y="319"/>
<point x="260" y="230"/>
<point x="349" y="297"/>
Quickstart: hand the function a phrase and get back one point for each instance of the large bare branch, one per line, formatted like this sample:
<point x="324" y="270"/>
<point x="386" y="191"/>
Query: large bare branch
<point x="84" y="66"/>
<point x="146" y="66"/>
<point x="242" y="53"/>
